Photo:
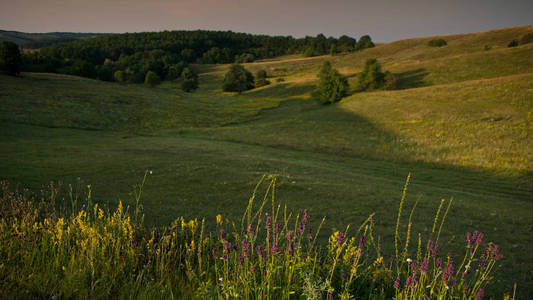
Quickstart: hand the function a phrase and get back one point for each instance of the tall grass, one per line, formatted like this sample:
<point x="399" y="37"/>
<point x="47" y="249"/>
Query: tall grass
<point x="48" y="251"/>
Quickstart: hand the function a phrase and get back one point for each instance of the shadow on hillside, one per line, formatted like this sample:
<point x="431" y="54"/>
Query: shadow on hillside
<point x="412" y="79"/>
<point x="282" y="91"/>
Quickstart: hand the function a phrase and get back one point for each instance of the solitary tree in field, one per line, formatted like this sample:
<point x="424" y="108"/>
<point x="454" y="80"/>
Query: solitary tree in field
<point x="332" y="86"/>
<point x="10" y="58"/>
<point x="152" y="79"/>
<point x="261" y="78"/>
<point x="189" y="81"/>
<point x="238" y="79"/>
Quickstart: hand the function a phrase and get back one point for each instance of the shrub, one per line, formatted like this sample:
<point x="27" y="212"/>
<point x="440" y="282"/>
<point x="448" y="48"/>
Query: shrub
<point x="371" y="77"/>
<point x="238" y="79"/>
<point x="189" y="81"/>
<point x="512" y="43"/>
<point x="261" y="78"/>
<point x="437" y="43"/>
<point x="152" y="79"/>
<point x="364" y="42"/>
<point x="332" y="86"/>
<point x="526" y="39"/>
<point x="10" y="58"/>
<point x="119" y="76"/>
<point x="174" y="71"/>
<point x="244" y="58"/>
<point x="391" y="81"/>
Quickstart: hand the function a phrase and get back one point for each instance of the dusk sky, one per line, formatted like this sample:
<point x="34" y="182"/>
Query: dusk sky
<point x="384" y="20"/>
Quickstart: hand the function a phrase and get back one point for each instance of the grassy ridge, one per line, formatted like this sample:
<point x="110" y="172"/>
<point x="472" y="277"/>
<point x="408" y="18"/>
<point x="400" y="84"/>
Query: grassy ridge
<point x="462" y="125"/>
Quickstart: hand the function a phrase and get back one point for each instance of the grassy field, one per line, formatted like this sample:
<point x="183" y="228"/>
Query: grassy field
<point x="462" y="124"/>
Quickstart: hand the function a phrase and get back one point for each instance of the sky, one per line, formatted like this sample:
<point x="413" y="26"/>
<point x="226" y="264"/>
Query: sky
<point x="383" y="20"/>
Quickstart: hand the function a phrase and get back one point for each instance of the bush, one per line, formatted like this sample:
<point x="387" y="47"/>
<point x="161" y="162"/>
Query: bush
<point x="364" y="42"/>
<point x="332" y="86"/>
<point x="513" y="43"/>
<point x="189" y="80"/>
<point x="119" y="76"/>
<point x="10" y="58"/>
<point x="261" y="78"/>
<point x="244" y="58"/>
<point x="83" y="68"/>
<point x="152" y="79"/>
<point x="174" y="71"/>
<point x="391" y="81"/>
<point x="437" y="43"/>
<point x="526" y="39"/>
<point x="371" y="77"/>
<point x="238" y="79"/>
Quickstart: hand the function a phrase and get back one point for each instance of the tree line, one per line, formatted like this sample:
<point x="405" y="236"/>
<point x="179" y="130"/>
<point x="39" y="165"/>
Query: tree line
<point x="168" y="53"/>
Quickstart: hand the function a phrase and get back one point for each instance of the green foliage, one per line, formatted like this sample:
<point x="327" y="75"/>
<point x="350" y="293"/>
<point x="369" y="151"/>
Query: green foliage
<point x="189" y="80"/>
<point x="105" y="72"/>
<point x="309" y="52"/>
<point x="119" y="76"/>
<point x="364" y="42"/>
<point x="83" y="68"/>
<point x="527" y="38"/>
<point x="244" y="58"/>
<point x="261" y="78"/>
<point x="391" y="81"/>
<point x="332" y="86"/>
<point x="238" y="79"/>
<point x="333" y="50"/>
<point x="175" y="70"/>
<point x="437" y="43"/>
<point x="10" y="58"/>
<point x="152" y="79"/>
<point x="512" y="43"/>
<point x="371" y="77"/>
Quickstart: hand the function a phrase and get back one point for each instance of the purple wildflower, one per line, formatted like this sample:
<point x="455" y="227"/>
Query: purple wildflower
<point x="268" y="223"/>
<point x="447" y="272"/>
<point x="435" y="250"/>
<point x="454" y="283"/>
<point x="278" y="227"/>
<point x="261" y="253"/>
<point x="424" y="266"/>
<point x="254" y="269"/>
<point x="290" y="236"/>
<point x="494" y="251"/>
<point x="408" y="282"/>
<point x="340" y="239"/>
<point x="482" y="263"/>
<point x="240" y="258"/>
<point x="438" y="263"/>
<point x="245" y="248"/>
<point x="413" y="266"/>
<point x="292" y="245"/>
<point x="250" y="230"/>
<point x="362" y="242"/>
<point x="330" y="296"/>
<point x="343" y="276"/>
<point x="479" y="294"/>
<point x="310" y="234"/>
<point x="397" y="283"/>
<point x="222" y="234"/>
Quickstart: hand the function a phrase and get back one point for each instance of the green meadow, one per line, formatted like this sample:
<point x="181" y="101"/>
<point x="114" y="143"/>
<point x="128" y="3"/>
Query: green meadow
<point x="461" y="124"/>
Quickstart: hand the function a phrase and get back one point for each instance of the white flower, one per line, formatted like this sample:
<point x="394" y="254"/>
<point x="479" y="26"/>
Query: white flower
<point x="220" y="279"/>
<point x="409" y="260"/>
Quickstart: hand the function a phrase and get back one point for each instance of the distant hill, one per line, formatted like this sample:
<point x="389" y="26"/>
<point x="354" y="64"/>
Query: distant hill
<point x="39" y="40"/>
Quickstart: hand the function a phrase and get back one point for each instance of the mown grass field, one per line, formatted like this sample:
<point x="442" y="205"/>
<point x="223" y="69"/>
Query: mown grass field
<point x="462" y="124"/>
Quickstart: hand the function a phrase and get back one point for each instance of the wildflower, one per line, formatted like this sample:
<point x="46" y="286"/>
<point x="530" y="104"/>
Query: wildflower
<point x="250" y="230"/>
<point x="254" y="269"/>
<point x="482" y="263"/>
<point x="330" y="296"/>
<point x="290" y="236"/>
<point x="150" y="172"/>
<point x="408" y="282"/>
<point x="408" y="260"/>
<point x="227" y="247"/>
<point x="479" y="294"/>
<point x="222" y="234"/>
<point x="413" y="266"/>
<point x="438" y="263"/>
<point x="447" y="272"/>
<point x="261" y="253"/>
<point x="219" y="219"/>
<point x="424" y="266"/>
<point x="277" y="228"/>
<point x="340" y="239"/>
<point x="493" y="251"/>
<point x="343" y="276"/>
<point x="245" y="248"/>
<point x="397" y="283"/>
<point x="240" y="259"/>
<point x="310" y="234"/>
<point x="435" y="250"/>
<point x="268" y="223"/>
<point x="362" y="242"/>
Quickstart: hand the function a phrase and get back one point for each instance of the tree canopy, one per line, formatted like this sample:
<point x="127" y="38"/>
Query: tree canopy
<point x="332" y="86"/>
<point x="238" y="79"/>
<point x="189" y="80"/>
<point x="10" y="58"/>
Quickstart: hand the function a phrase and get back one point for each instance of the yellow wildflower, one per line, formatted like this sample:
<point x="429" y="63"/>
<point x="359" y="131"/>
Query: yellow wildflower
<point x="219" y="219"/>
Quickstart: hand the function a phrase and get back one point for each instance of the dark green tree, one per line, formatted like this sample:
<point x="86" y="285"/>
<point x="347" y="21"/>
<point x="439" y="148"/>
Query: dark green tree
<point x="238" y="79"/>
<point x="175" y="70"/>
<point x="364" y="42"/>
<point x="332" y="86"/>
<point x="261" y="78"/>
<point x="333" y="50"/>
<point x="372" y="77"/>
<point x="83" y="68"/>
<point x="513" y="43"/>
<point x="152" y="79"/>
<point x="189" y="80"/>
<point x="437" y="43"/>
<point x="10" y="58"/>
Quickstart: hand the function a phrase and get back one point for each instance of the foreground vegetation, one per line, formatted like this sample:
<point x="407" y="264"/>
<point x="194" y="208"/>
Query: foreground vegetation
<point x="48" y="251"/>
